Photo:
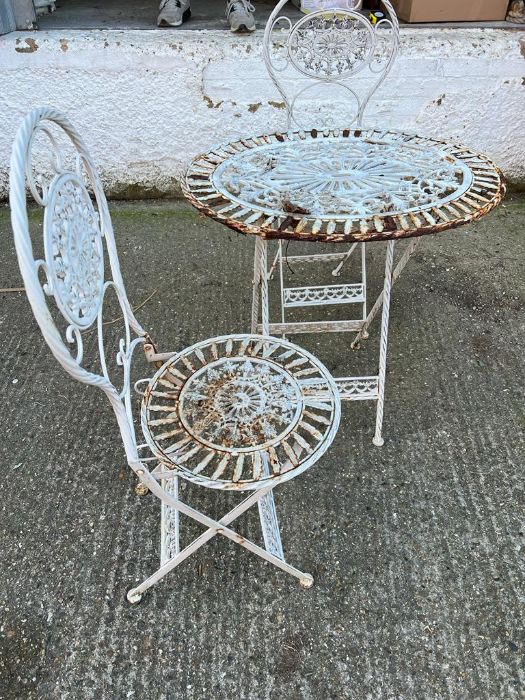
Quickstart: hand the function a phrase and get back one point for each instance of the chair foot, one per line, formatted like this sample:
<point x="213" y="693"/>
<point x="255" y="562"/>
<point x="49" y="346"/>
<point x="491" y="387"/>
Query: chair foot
<point x="378" y="441"/>
<point x="306" y="581"/>
<point x="356" y="343"/>
<point x="133" y="597"/>
<point x="141" y="489"/>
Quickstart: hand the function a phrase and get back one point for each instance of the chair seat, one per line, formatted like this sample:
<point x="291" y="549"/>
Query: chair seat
<point x="239" y="412"/>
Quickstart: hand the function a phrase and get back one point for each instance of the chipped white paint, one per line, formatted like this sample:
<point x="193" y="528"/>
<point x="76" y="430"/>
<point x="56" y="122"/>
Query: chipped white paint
<point x="149" y="100"/>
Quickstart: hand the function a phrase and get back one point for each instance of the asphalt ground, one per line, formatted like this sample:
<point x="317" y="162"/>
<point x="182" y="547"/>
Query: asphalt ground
<point x="417" y="547"/>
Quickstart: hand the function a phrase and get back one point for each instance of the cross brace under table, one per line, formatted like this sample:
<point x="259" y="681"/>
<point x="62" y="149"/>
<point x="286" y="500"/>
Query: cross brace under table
<point x="368" y="388"/>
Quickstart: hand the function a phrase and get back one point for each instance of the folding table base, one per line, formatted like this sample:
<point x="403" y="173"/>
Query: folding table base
<point x="369" y="388"/>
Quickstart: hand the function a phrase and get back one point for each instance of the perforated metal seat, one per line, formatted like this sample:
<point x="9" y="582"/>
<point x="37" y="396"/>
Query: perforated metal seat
<point x="240" y="412"/>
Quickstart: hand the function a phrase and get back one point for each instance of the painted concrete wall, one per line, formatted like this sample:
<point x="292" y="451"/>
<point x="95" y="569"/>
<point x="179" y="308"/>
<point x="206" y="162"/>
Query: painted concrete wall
<point x="146" y="101"/>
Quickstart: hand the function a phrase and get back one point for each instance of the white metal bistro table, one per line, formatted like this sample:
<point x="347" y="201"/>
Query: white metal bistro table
<point x="336" y="186"/>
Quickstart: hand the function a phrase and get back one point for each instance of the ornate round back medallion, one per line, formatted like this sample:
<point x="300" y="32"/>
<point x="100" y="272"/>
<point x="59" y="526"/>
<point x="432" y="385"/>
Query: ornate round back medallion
<point x="331" y="44"/>
<point x="238" y="404"/>
<point x="73" y="250"/>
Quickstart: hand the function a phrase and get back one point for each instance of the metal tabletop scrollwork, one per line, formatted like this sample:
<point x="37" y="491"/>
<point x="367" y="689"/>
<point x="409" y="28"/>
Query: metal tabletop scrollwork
<point x="343" y="185"/>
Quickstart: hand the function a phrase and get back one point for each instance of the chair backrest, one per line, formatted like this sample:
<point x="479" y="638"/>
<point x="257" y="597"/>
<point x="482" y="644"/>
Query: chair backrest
<point x="313" y="61"/>
<point x="68" y="287"/>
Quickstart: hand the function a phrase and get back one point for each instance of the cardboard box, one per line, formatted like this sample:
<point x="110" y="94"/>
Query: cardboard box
<point x="451" y="10"/>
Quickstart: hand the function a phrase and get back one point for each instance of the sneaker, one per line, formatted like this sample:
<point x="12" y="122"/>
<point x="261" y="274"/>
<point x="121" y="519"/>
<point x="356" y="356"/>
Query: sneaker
<point x="240" y="15"/>
<point x="173" y="13"/>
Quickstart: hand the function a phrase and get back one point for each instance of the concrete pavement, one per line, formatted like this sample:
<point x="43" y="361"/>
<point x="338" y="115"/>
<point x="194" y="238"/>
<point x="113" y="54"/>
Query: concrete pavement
<point x="417" y="547"/>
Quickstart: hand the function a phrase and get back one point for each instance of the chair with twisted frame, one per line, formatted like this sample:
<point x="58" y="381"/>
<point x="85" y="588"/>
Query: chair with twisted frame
<point x="310" y="63"/>
<point x="237" y="412"/>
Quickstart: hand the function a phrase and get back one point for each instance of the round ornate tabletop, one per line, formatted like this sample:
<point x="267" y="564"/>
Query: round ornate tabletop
<point x="342" y="185"/>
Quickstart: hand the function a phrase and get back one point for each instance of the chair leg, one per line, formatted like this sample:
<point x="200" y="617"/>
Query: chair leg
<point x="214" y="528"/>
<point x="169" y="523"/>
<point x="269" y="522"/>
<point x="135" y="594"/>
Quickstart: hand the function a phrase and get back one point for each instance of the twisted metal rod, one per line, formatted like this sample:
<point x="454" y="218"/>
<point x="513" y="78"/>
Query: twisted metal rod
<point x="261" y="253"/>
<point x="256" y="288"/>
<point x="378" y="439"/>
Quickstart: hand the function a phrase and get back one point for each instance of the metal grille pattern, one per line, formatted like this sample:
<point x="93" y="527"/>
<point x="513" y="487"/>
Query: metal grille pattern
<point x="240" y="411"/>
<point x="73" y="249"/>
<point x="312" y="63"/>
<point x="342" y="178"/>
<point x="343" y="185"/>
<point x="331" y="44"/>
<point x="329" y="294"/>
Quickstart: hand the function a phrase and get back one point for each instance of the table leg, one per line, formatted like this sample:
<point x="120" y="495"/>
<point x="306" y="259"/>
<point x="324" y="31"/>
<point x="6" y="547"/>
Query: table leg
<point x="260" y="289"/>
<point x="364" y="332"/>
<point x="256" y="294"/>
<point x="267" y="512"/>
<point x="387" y="286"/>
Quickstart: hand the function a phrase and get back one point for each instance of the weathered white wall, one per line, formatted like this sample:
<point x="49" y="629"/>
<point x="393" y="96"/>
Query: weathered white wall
<point x="146" y="101"/>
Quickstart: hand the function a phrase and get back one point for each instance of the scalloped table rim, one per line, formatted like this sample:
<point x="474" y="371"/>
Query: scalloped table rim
<point x="484" y="194"/>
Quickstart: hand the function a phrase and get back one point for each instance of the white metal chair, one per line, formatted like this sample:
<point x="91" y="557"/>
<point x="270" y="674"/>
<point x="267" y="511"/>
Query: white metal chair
<point x="238" y="412"/>
<point x="327" y="66"/>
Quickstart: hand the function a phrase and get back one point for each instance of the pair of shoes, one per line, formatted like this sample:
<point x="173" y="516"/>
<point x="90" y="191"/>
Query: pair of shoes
<point x="240" y="15"/>
<point x="172" y="13"/>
